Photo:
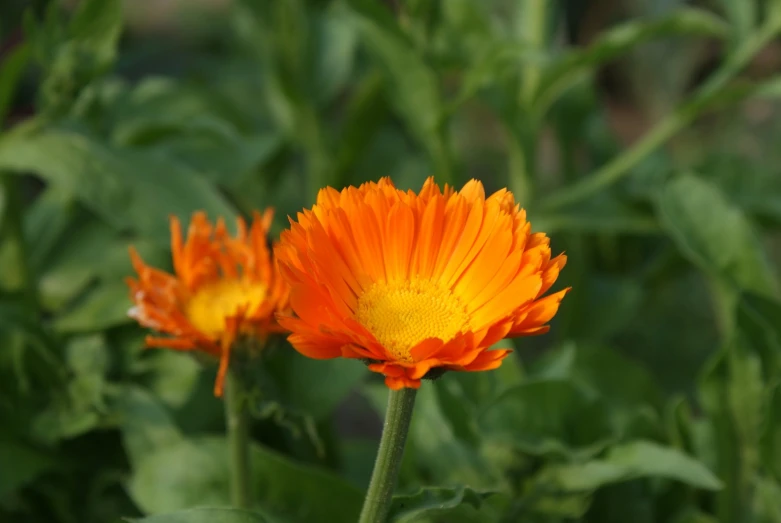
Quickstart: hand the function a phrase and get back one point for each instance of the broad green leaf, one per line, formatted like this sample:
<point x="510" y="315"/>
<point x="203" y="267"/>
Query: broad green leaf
<point x="173" y="376"/>
<point x="547" y="416"/>
<point x="645" y="458"/>
<point x="145" y="424"/>
<point x="22" y="463"/>
<point x="565" y="489"/>
<point x="105" y="306"/>
<point x="47" y="220"/>
<point x="713" y="234"/>
<point x="439" y="503"/>
<point x="209" y="515"/>
<point x="129" y="189"/>
<point x="629" y="461"/>
<point x="412" y="84"/>
<point x="607" y="376"/>
<point x="63" y="277"/>
<point x="80" y="407"/>
<point x="573" y="66"/>
<point x="327" y="382"/>
<point x="440" y="453"/>
<point x="195" y="472"/>
<point x="601" y="372"/>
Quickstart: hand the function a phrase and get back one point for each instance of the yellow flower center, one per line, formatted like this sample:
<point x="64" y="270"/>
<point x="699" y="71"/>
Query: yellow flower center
<point x="214" y="302"/>
<point x="401" y="314"/>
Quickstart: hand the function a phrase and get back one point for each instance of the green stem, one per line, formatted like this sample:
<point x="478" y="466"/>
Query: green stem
<point x="533" y="28"/>
<point x="669" y="126"/>
<point x="237" y="424"/>
<point x="386" y="468"/>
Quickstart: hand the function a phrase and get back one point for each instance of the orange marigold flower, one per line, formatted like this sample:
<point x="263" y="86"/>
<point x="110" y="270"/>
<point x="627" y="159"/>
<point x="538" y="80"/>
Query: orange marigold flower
<point x="414" y="282"/>
<point x="223" y="289"/>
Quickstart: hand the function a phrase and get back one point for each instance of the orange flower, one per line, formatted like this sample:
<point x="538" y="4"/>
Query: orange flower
<point x="411" y="283"/>
<point x="223" y="289"/>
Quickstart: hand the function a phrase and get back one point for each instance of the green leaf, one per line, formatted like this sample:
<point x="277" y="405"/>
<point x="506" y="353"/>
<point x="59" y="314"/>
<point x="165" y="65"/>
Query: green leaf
<point x="714" y="234"/>
<point x="759" y="319"/>
<point x="11" y="70"/>
<point x="336" y="42"/>
<point x="130" y="190"/>
<point x="195" y="472"/>
<point x="96" y="25"/>
<point x="21" y="464"/>
<point x="601" y="372"/>
<point x="145" y="424"/>
<point x="442" y="503"/>
<point x="327" y="382"/>
<point x="441" y="454"/>
<point x="412" y="84"/>
<point x="605" y="215"/>
<point x="742" y="17"/>
<point x="548" y="416"/>
<point x="732" y="394"/>
<point x="575" y="65"/>
<point x="645" y="458"/>
<point x="208" y="515"/>
<point x="104" y="307"/>
<point x="771" y="434"/>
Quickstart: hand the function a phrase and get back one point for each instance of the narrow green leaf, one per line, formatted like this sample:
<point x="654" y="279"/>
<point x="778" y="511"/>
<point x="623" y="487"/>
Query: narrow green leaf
<point x="412" y="85"/>
<point x="714" y="234"/>
<point x="440" y="503"/>
<point x="97" y="25"/>
<point x="573" y="66"/>
<point x="11" y="69"/>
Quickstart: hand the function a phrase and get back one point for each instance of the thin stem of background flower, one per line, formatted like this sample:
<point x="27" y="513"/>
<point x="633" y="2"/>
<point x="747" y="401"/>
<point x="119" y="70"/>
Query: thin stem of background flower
<point x="386" y="467"/>
<point x="237" y="425"/>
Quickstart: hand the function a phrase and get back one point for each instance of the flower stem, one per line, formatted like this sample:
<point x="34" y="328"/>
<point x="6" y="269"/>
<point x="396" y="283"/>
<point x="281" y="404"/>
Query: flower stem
<point x="386" y="468"/>
<point x="237" y="424"/>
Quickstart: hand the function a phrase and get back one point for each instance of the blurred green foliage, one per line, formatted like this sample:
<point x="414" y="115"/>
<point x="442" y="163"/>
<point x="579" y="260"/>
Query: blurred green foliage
<point x="641" y="135"/>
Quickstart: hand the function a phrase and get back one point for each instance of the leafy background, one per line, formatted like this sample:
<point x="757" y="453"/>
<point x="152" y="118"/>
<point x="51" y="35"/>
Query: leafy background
<point x="642" y="135"/>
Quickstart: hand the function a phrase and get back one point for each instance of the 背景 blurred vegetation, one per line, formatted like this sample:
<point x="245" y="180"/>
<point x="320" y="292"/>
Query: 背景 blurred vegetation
<point x="642" y="135"/>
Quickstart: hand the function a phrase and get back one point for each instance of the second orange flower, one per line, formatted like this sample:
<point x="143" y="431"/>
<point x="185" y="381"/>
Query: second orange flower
<point x="224" y="289"/>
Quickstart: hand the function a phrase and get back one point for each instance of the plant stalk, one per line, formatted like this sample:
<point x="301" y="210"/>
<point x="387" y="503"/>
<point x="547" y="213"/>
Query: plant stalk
<point x="237" y="425"/>
<point x="669" y="126"/>
<point x="388" y="463"/>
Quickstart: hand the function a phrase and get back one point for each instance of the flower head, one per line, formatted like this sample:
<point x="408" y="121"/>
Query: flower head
<point x="414" y="282"/>
<point x="223" y="289"/>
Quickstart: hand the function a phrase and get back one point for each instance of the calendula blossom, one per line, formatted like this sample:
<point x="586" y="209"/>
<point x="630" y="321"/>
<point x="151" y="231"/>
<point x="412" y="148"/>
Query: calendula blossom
<point x="415" y="284"/>
<point x="224" y="289"/>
